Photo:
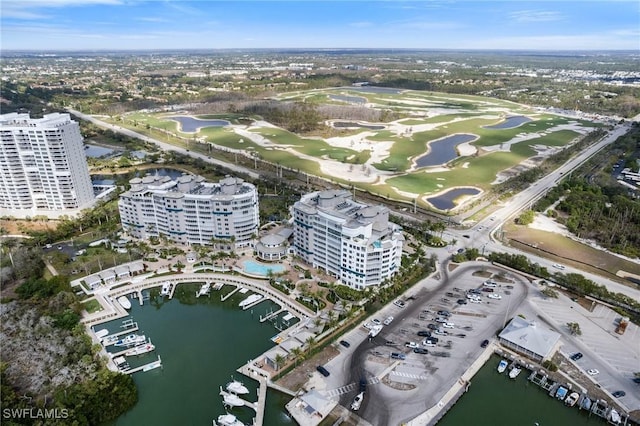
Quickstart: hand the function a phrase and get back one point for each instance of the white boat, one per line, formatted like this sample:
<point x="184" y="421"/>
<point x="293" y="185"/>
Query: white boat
<point x="231" y="400"/>
<point x="250" y="300"/>
<point x="166" y="289"/>
<point x="502" y="366"/>
<point x="102" y="333"/>
<point x="141" y="349"/>
<point x="124" y="302"/>
<point x="237" y="387"/>
<point x="227" y="420"/>
<point x="131" y="340"/>
<point x="204" y="290"/>
<point x="614" y="417"/>
<point x="357" y="401"/>
<point x="572" y="399"/>
<point x="515" y="370"/>
<point x="110" y="340"/>
<point x="375" y="330"/>
<point x="243" y="290"/>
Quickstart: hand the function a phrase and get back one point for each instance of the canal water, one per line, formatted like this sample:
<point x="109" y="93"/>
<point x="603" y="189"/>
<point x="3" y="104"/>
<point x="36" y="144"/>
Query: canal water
<point x="201" y="342"/>
<point x="494" y="399"/>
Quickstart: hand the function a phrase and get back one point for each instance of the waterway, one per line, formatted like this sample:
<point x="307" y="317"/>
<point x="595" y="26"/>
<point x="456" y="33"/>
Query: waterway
<point x="446" y="200"/>
<point x="494" y="399"/>
<point x="201" y="342"/>
<point x="192" y="124"/>
<point x="443" y="150"/>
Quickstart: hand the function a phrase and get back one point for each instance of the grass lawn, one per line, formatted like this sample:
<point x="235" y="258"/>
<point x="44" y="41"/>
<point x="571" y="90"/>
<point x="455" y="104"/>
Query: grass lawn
<point x="92" y="306"/>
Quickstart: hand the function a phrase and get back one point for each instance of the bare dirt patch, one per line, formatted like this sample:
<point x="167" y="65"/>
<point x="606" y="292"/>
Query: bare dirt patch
<point x="19" y="227"/>
<point x="296" y="378"/>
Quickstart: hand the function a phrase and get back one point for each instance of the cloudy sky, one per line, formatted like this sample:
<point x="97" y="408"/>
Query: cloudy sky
<point x="427" y="24"/>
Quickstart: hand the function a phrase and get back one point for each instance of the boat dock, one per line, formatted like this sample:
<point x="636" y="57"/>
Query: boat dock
<point x="112" y="338"/>
<point x="150" y="366"/>
<point x="252" y="405"/>
<point x="218" y="286"/>
<point x="226" y="296"/>
<point x="252" y="304"/>
<point x="122" y="352"/>
<point x="261" y="377"/>
<point x="271" y="315"/>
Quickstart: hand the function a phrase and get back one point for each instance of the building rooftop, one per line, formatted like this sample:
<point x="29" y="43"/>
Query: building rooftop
<point x="529" y="336"/>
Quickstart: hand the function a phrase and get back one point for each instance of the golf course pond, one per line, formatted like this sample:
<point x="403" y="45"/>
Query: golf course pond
<point x="446" y="200"/>
<point x="443" y="150"/>
<point x="510" y="123"/>
<point x="191" y="124"/>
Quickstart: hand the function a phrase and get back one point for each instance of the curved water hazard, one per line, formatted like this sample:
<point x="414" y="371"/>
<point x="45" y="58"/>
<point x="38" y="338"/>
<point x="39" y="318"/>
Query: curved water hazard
<point x="510" y="123"/>
<point x="443" y="150"/>
<point x="446" y="200"/>
<point x="191" y="124"/>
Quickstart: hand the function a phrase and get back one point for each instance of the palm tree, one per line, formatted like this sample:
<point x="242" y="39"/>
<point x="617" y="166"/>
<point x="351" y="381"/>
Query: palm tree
<point x="279" y="360"/>
<point x="297" y="354"/>
<point x="311" y="341"/>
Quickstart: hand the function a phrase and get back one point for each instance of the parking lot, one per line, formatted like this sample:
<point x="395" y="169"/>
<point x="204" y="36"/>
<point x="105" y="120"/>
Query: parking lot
<point x="403" y="388"/>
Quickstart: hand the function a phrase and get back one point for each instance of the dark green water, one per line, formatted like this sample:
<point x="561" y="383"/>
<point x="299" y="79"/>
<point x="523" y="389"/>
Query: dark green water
<point x="494" y="399"/>
<point x="201" y="342"/>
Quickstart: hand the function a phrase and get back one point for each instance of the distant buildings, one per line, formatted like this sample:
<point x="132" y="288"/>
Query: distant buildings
<point x="43" y="167"/>
<point x="352" y="241"/>
<point x="189" y="210"/>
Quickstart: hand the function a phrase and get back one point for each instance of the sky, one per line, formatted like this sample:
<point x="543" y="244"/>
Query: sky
<point x="428" y="24"/>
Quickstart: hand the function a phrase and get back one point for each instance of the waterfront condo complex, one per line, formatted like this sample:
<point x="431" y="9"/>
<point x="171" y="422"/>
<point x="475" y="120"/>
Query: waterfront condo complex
<point x="189" y="210"/>
<point x="352" y="241"/>
<point x="43" y="166"/>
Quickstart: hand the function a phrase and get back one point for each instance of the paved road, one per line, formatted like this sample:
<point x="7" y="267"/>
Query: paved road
<point x="165" y="146"/>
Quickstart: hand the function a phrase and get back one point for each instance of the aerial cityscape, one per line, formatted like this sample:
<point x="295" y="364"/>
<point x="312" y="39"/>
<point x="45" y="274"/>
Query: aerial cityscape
<point x="319" y="212"/>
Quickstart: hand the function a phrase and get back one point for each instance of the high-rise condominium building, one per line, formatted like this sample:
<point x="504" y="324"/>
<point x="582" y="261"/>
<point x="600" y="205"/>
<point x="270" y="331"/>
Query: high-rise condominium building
<point x="352" y="241"/>
<point x="189" y="210"/>
<point x="43" y="166"/>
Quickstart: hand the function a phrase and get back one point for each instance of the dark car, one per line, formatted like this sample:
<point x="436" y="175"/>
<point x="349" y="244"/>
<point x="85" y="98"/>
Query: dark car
<point x="421" y="351"/>
<point x="432" y="327"/>
<point x="424" y="333"/>
<point x="363" y="384"/>
<point x="345" y="343"/>
<point x="444" y="313"/>
<point x="636" y="380"/>
<point x="576" y="356"/>
<point x="398" y="355"/>
<point x="619" y="394"/>
<point x="323" y="371"/>
<point x="484" y="343"/>
<point x="461" y="302"/>
<point x="487" y="289"/>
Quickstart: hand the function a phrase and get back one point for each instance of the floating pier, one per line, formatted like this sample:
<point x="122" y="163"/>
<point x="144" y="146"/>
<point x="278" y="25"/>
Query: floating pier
<point x="150" y="366"/>
<point x="113" y="338"/>
<point x="225" y="297"/>
<point x="271" y="315"/>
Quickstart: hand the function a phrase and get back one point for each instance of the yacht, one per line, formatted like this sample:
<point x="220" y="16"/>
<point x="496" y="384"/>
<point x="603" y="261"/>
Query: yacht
<point x="502" y="366"/>
<point x="586" y="403"/>
<point x="250" y="300"/>
<point x="231" y="400"/>
<point x="237" y="387"/>
<point x="561" y="393"/>
<point x="141" y="349"/>
<point x="131" y="340"/>
<point x="515" y="370"/>
<point x="204" y="290"/>
<point x="227" y="420"/>
<point x="614" y="417"/>
<point x="124" y="302"/>
<point x="572" y="399"/>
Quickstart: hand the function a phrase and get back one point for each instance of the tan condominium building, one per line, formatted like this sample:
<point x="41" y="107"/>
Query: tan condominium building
<point x="352" y="241"/>
<point x="189" y="210"/>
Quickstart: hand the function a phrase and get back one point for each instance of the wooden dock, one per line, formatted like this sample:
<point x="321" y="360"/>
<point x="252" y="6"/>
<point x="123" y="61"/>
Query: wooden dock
<point x="150" y="366"/>
<point x="120" y="333"/>
<point x="226" y="296"/>
<point x="271" y="315"/>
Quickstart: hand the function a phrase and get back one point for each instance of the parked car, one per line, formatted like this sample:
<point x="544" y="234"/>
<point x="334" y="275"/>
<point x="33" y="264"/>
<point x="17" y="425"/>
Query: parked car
<point x="387" y="320"/>
<point x="432" y="327"/>
<point x="424" y="333"/>
<point x="441" y="320"/>
<point x="345" y="343"/>
<point x="399" y="303"/>
<point x="411" y="345"/>
<point x="323" y="371"/>
<point x="363" y="384"/>
<point x="619" y="394"/>
<point x="398" y="355"/>
<point x="558" y="266"/>
<point x="593" y="372"/>
<point x="490" y="283"/>
<point x="428" y="342"/>
<point x="440" y="332"/>
<point x="448" y="325"/>
<point x="576" y="356"/>
<point x="421" y="351"/>
<point x="494" y="296"/>
<point x="376" y="321"/>
<point x="461" y="302"/>
<point x="444" y="313"/>
<point x="484" y="343"/>
<point x="487" y="289"/>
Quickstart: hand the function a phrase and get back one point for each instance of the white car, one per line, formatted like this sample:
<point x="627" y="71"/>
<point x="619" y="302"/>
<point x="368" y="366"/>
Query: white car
<point x="489" y="283"/>
<point x="376" y="321"/>
<point x="412" y="345"/>
<point x="440" y="332"/>
<point x="399" y="303"/>
<point x="387" y="321"/>
<point x="558" y="266"/>
<point x="448" y="325"/>
<point x="593" y="372"/>
<point x="494" y="296"/>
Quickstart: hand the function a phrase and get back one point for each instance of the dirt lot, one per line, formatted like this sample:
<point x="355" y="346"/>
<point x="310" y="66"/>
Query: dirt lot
<point x="17" y="227"/>
<point x="299" y="376"/>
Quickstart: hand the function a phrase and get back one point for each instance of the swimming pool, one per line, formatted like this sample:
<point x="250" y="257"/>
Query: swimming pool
<point x="256" y="268"/>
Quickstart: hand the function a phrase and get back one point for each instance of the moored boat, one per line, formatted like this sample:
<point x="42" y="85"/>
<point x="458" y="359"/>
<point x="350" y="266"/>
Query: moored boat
<point x="140" y="349"/>
<point x="613" y="416"/>
<point x="561" y="393"/>
<point x="131" y="340"/>
<point x="227" y="420"/>
<point x="250" y="300"/>
<point x="124" y="302"/>
<point x="586" y="403"/>
<point x="502" y="366"/>
<point x="166" y="289"/>
<point x="237" y="387"/>
<point x="515" y="370"/>
<point x="204" y="290"/>
<point x="572" y="399"/>
<point x="231" y="400"/>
